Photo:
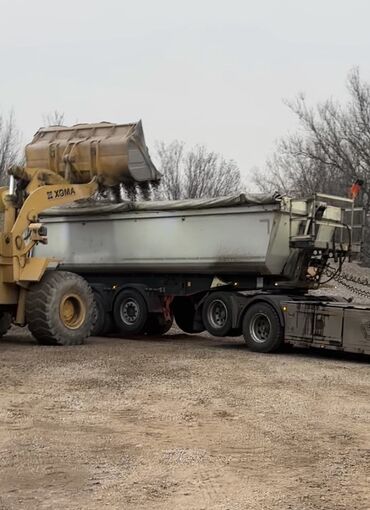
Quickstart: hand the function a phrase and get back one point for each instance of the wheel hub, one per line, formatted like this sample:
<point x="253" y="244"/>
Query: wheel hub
<point x="217" y="314"/>
<point x="72" y="311"/>
<point x="129" y="311"/>
<point x="260" y="328"/>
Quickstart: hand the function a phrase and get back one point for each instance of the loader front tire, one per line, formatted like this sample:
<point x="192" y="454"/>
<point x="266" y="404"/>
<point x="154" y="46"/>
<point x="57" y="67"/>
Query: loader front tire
<point x="60" y="309"/>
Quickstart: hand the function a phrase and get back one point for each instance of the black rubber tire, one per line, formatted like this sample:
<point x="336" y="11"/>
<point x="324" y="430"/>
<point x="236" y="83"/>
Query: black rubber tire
<point x="139" y="309"/>
<point x="218" y="307"/>
<point x="99" y="316"/>
<point x="103" y="322"/>
<point x="273" y="333"/>
<point x="109" y="326"/>
<point x="42" y="309"/>
<point x="5" y="323"/>
<point x="184" y="312"/>
<point x="157" y="325"/>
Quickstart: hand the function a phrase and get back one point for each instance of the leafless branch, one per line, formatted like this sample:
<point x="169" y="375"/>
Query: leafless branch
<point x="195" y="173"/>
<point x="55" y="118"/>
<point x="9" y="145"/>
<point x="331" y="149"/>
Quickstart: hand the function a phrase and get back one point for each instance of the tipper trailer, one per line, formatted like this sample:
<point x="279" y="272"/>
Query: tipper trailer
<point x="233" y="265"/>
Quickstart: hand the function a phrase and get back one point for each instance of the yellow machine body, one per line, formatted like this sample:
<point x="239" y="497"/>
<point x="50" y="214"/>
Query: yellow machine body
<point x="63" y="164"/>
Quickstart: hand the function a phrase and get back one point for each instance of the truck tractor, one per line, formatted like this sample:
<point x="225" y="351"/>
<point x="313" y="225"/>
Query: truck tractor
<point x="63" y="165"/>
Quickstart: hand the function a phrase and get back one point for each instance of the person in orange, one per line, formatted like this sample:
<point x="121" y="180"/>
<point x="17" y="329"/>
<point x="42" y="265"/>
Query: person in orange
<point x="355" y="189"/>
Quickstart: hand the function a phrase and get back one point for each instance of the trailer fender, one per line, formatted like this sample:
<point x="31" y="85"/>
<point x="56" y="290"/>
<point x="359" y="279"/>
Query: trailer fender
<point x="237" y="307"/>
<point x="105" y="293"/>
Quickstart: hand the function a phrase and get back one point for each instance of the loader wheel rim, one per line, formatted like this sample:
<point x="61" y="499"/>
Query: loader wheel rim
<point x="72" y="311"/>
<point x="260" y="328"/>
<point x="129" y="311"/>
<point x="217" y="314"/>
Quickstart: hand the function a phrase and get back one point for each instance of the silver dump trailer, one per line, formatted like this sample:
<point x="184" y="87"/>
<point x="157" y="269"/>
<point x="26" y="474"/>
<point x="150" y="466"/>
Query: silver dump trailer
<point x="229" y="265"/>
<point x="247" y="234"/>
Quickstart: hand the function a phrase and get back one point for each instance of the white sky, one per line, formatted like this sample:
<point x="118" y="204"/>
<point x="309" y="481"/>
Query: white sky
<point x="202" y="71"/>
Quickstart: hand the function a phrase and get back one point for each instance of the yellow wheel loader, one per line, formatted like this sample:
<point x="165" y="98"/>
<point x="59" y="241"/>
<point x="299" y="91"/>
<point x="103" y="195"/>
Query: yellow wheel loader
<point x="63" y="164"/>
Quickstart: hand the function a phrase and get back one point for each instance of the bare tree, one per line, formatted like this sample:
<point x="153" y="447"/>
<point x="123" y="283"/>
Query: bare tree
<point x="170" y="160"/>
<point x="9" y="145"/>
<point x="195" y="173"/>
<point x="55" y="118"/>
<point x="331" y="149"/>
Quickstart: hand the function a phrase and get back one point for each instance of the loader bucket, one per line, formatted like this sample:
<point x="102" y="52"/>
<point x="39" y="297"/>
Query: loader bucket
<point x="113" y="153"/>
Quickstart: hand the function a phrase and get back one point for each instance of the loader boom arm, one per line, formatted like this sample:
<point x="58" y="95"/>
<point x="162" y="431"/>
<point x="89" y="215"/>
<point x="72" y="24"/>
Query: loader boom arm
<point x="16" y="264"/>
<point x="63" y="164"/>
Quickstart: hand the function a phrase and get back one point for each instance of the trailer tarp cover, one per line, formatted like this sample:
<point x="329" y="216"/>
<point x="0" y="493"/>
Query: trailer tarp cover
<point x="90" y="207"/>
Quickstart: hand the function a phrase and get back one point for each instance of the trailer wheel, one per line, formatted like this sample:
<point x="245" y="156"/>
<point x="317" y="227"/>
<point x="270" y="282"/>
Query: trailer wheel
<point x="185" y="315"/>
<point x="99" y="314"/>
<point x="157" y="325"/>
<point x="60" y="309"/>
<point x="103" y="323"/>
<point x="130" y="312"/>
<point x="109" y="326"/>
<point x="262" y="329"/>
<point x="217" y="314"/>
<point x="5" y="323"/>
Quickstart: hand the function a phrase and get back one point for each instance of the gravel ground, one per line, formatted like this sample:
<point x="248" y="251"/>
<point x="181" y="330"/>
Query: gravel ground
<point x="182" y="422"/>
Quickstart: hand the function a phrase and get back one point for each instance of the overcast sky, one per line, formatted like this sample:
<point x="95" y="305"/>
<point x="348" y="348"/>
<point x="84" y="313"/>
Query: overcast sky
<point x="202" y="71"/>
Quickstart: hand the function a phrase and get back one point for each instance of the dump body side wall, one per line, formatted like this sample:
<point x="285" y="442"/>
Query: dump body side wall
<point x="248" y="240"/>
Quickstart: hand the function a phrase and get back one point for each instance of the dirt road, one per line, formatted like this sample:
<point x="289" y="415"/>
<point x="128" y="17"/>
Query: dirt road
<point x="181" y="423"/>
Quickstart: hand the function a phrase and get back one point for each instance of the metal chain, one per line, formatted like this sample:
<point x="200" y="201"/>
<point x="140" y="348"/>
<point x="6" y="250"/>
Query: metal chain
<point x="356" y="279"/>
<point x="346" y="279"/>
